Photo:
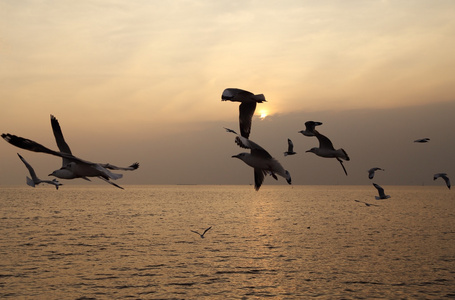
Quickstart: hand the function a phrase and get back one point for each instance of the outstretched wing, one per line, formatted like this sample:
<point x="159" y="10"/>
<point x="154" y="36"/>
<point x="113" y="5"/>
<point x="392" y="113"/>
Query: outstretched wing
<point x="290" y="146"/>
<point x="246" y="112"/>
<point x="324" y="141"/>
<point x="255" y="148"/>
<point x="112" y="167"/>
<point x="29" y="167"/>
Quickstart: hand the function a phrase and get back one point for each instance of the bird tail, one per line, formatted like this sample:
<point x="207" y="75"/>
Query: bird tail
<point x="30" y="182"/>
<point x="288" y="177"/>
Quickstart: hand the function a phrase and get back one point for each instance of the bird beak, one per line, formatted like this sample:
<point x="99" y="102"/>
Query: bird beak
<point x="236" y="156"/>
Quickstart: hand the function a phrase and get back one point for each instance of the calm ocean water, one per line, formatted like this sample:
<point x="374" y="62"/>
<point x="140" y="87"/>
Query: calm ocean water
<point x="284" y="242"/>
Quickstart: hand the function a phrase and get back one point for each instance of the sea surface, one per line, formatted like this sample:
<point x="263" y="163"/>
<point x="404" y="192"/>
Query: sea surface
<point x="283" y="242"/>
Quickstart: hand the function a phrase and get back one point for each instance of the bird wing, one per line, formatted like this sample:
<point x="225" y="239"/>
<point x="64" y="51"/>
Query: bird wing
<point x="324" y="141"/>
<point x="195" y="232"/>
<point x="230" y="130"/>
<point x="258" y="178"/>
<point x="60" y="140"/>
<point x="29" y="167"/>
<point x="206" y="230"/>
<point x="380" y="190"/>
<point x="371" y="173"/>
<point x="112" y="167"/>
<point x="342" y="165"/>
<point x="246" y="112"/>
<point x="310" y="125"/>
<point x="256" y="150"/>
<point x="447" y="180"/>
<point x="33" y="146"/>
<point x="290" y="146"/>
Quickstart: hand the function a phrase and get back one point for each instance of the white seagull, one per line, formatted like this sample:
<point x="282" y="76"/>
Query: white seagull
<point x="382" y="195"/>
<point x="290" y="149"/>
<point x="246" y="109"/>
<point x="327" y="150"/>
<point x="35" y="180"/>
<point x="262" y="162"/>
<point x="443" y="176"/>
<point x="424" y="140"/>
<point x="202" y="235"/>
<point x="72" y="166"/>
<point x="371" y="172"/>
<point x="309" y="128"/>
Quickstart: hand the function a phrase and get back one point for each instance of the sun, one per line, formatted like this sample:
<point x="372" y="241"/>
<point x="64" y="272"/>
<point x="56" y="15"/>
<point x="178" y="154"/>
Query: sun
<point x="263" y="114"/>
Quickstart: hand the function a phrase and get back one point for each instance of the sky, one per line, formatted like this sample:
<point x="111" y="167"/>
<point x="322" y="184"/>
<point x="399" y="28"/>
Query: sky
<point x="142" y="81"/>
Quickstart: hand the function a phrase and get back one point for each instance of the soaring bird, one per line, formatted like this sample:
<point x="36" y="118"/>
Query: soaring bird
<point x="262" y="162"/>
<point x="35" y="180"/>
<point x="382" y="195"/>
<point x="327" y="150"/>
<point x="371" y="172"/>
<point x="443" y="176"/>
<point x="424" y="140"/>
<point x="202" y="235"/>
<point x="72" y="166"/>
<point x="309" y="128"/>
<point x="247" y="106"/>
<point x="290" y="149"/>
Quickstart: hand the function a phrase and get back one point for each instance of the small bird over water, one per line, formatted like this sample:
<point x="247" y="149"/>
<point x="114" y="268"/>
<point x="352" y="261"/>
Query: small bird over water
<point x="327" y="150"/>
<point x="309" y="128"/>
<point x="202" y="235"/>
<point x="371" y="172"/>
<point x="35" y="180"/>
<point x="246" y="109"/>
<point x="290" y="149"/>
<point x="443" y="176"/>
<point x="382" y="195"/>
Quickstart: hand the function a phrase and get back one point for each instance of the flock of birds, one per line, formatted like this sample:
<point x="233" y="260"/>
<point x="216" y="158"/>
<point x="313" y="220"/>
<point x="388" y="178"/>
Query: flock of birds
<point x="258" y="158"/>
<point x="264" y="164"/>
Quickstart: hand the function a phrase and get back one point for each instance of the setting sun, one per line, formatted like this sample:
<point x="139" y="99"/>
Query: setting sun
<point x="263" y="114"/>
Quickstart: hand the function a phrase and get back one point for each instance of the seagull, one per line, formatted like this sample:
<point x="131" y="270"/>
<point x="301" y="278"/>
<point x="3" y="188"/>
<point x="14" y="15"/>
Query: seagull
<point x="327" y="150"/>
<point x="262" y="162"/>
<point x="247" y="107"/>
<point x="72" y="166"/>
<point x="290" y="149"/>
<point x="382" y="195"/>
<point x="202" y="235"/>
<point x="35" y="180"/>
<point x="443" y="176"/>
<point x="371" y="172"/>
<point x="424" y="140"/>
<point x="309" y="128"/>
<point x="230" y="130"/>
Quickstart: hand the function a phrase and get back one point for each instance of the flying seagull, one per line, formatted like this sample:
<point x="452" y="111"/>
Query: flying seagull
<point x="246" y="109"/>
<point x="35" y="180"/>
<point x="72" y="166"/>
<point x="309" y="128"/>
<point x="202" y="235"/>
<point x="371" y="172"/>
<point x="424" y="140"/>
<point x="382" y="195"/>
<point x="443" y="176"/>
<point x="262" y="162"/>
<point x="290" y="148"/>
<point x="327" y="150"/>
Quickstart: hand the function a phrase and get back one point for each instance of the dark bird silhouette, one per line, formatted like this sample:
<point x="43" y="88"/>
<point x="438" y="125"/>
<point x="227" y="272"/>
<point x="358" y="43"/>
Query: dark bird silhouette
<point x="247" y="106"/>
<point x="424" y="140"/>
<point x="202" y="235"/>
<point x="371" y="172"/>
<point x="443" y="176"/>
<point x="309" y="128"/>
<point x="290" y="149"/>
<point x="35" y="180"/>
<point x="382" y="195"/>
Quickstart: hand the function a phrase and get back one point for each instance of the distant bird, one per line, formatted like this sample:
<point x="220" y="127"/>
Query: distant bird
<point x="202" y="235"/>
<point x="424" y="140"/>
<point x="246" y="109"/>
<point x="230" y="130"/>
<point x="382" y="195"/>
<point x="262" y="162"/>
<point x="371" y="172"/>
<point x="290" y="148"/>
<point x="327" y="150"/>
<point x="72" y="166"/>
<point x="309" y="128"/>
<point x="367" y="204"/>
<point x="443" y="176"/>
<point x="35" y="180"/>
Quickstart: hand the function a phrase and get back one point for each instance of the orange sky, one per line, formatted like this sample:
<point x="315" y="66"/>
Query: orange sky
<point x="119" y="73"/>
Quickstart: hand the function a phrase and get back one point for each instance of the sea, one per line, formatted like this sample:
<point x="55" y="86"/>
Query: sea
<point x="281" y="242"/>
